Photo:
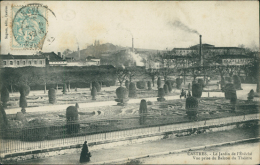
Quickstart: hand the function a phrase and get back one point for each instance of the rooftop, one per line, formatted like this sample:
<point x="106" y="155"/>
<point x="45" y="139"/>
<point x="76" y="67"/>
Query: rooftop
<point x="9" y="56"/>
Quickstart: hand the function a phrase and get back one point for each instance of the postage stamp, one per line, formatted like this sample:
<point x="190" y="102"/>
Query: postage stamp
<point x="29" y="27"/>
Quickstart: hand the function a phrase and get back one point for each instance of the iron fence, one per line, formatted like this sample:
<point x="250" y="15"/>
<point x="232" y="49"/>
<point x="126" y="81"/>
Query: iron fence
<point x="39" y="138"/>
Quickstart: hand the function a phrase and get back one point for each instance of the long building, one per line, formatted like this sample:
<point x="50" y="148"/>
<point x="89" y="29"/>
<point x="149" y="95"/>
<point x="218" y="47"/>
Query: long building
<point x="40" y="60"/>
<point x="15" y="61"/>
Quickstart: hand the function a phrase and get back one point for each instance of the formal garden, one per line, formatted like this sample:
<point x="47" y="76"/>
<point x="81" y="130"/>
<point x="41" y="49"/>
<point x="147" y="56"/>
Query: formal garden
<point x="118" y="85"/>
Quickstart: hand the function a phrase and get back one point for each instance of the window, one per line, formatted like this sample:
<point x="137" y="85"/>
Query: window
<point x="4" y="62"/>
<point x="18" y="62"/>
<point x="23" y="62"/>
<point x="11" y="62"/>
<point x="41" y="62"/>
<point x="30" y="62"/>
<point x="35" y="62"/>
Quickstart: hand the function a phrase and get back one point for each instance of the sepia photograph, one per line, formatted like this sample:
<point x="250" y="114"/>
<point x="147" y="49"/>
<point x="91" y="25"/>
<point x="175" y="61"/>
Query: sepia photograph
<point x="124" y="82"/>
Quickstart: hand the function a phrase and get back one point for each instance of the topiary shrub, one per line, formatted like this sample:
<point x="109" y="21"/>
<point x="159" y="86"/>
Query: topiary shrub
<point x="3" y="119"/>
<point x="142" y="111"/>
<point x="72" y="119"/>
<point x="237" y="82"/>
<point x="165" y="88"/>
<point x="122" y="95"/>
<point x="94" y="93"/>
<point x="191" y="107"/>
<point x="90" y="86"/>
<point x="228" y="79"/>
<point x="25" y="89"/>
<point x="222" y="84"/>
<point x="132" y="90"/>
<point x="230" y="93"/>
<point x="127" y="84"/>
<point x="169" y="84"/>
<point x="149" y="85"/>
<point x="23" y="102"/>
<point x="4" y="96"/>
<point x="64" y="88"/>
<point x="35" y="130"/>
<point x="52" y="96"/>
<point x="178" y="83"/>
<point x="193" y="82"/>
<point x="141" y="84"/>
<point x="97" y="86"/>
<point x="201" y="82"/>
<point x="196" y="90"/>
<point x="161" y="95"/>
<point x="159" y="82"/>
<point x="242" y="79"/>
<point x="251" y="95"/>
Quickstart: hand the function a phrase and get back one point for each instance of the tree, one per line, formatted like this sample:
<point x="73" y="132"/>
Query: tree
<point x="152" y="72"/>
<point x="122" y="74"/>
<point x="67" y="52"/>
<point x="169" y="64"/>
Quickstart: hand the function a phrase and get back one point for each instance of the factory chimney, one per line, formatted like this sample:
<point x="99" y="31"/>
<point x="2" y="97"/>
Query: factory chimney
<point x="133" y="44"/>
<point x="200" y="51"/>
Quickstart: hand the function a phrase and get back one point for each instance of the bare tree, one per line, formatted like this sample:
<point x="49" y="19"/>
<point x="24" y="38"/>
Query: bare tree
<point x="122" y="74"/>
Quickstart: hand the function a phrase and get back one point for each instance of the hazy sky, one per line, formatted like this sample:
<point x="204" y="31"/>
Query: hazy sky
<point x="154" y="25"/>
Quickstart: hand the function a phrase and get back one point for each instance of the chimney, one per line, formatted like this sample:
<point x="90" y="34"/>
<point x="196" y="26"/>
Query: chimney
<point x="201" y="56"/>
<point x="59" y="54"/>
<point x="133" y="44"/>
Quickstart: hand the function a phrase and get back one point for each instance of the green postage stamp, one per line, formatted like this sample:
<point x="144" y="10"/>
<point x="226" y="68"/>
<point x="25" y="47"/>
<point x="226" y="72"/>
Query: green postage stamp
<point x="29" y="27"/>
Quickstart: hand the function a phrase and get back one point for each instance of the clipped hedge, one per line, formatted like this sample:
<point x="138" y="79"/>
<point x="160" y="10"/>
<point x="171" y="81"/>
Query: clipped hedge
<point x="24" y="89"/>
<point x="178" y="83"/>
<point x="52" y="96"/>
<point x="4" y="96"/>
<point x="201" y="82"/>
<point x="230" y="91"/>
<point x="165" y="88"/>
<point x="159" y="82"/>
<point x="96" y="85"/>
<point x="132" y="90"/>
<point x="237" y="82"/>
<point x="72" y="119"/>
<point x="196" y="90"/>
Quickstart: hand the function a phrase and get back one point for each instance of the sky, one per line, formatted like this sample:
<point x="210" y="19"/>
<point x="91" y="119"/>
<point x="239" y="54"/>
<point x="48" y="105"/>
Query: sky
<point x="153" y="25"/>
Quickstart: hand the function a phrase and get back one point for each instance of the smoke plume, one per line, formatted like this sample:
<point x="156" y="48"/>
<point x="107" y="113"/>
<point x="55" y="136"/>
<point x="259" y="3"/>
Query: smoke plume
<point x="183" y="27"/>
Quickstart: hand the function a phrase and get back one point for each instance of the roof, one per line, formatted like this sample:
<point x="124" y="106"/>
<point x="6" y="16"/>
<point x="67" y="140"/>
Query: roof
<point x="9" y="56"/>
<point x="233" y="56"/>
<point x="207" y="46"/>
<point x="52" y="56"/>
<point x="91" y="61"/>
<point x="203" y="45"/>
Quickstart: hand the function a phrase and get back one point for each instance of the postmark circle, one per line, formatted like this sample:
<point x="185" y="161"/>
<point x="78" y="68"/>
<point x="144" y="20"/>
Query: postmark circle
<point x="30" y="26"/>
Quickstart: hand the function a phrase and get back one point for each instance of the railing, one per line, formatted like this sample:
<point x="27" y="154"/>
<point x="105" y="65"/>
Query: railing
<point x="12" y="143"/>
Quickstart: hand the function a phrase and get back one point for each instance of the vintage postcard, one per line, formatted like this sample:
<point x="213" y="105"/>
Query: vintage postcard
<point x="146" y="82"/>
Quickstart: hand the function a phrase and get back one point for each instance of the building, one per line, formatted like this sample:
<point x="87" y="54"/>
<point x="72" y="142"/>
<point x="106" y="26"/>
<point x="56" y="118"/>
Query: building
<point x="209" y="54"/>
<point x="16" y="61"/>
<point x="92" y="61"/>
<point x="53" y="59"/>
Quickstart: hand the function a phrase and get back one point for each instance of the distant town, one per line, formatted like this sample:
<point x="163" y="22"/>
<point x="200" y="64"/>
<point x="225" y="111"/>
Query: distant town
<point x="109" y="54"/>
